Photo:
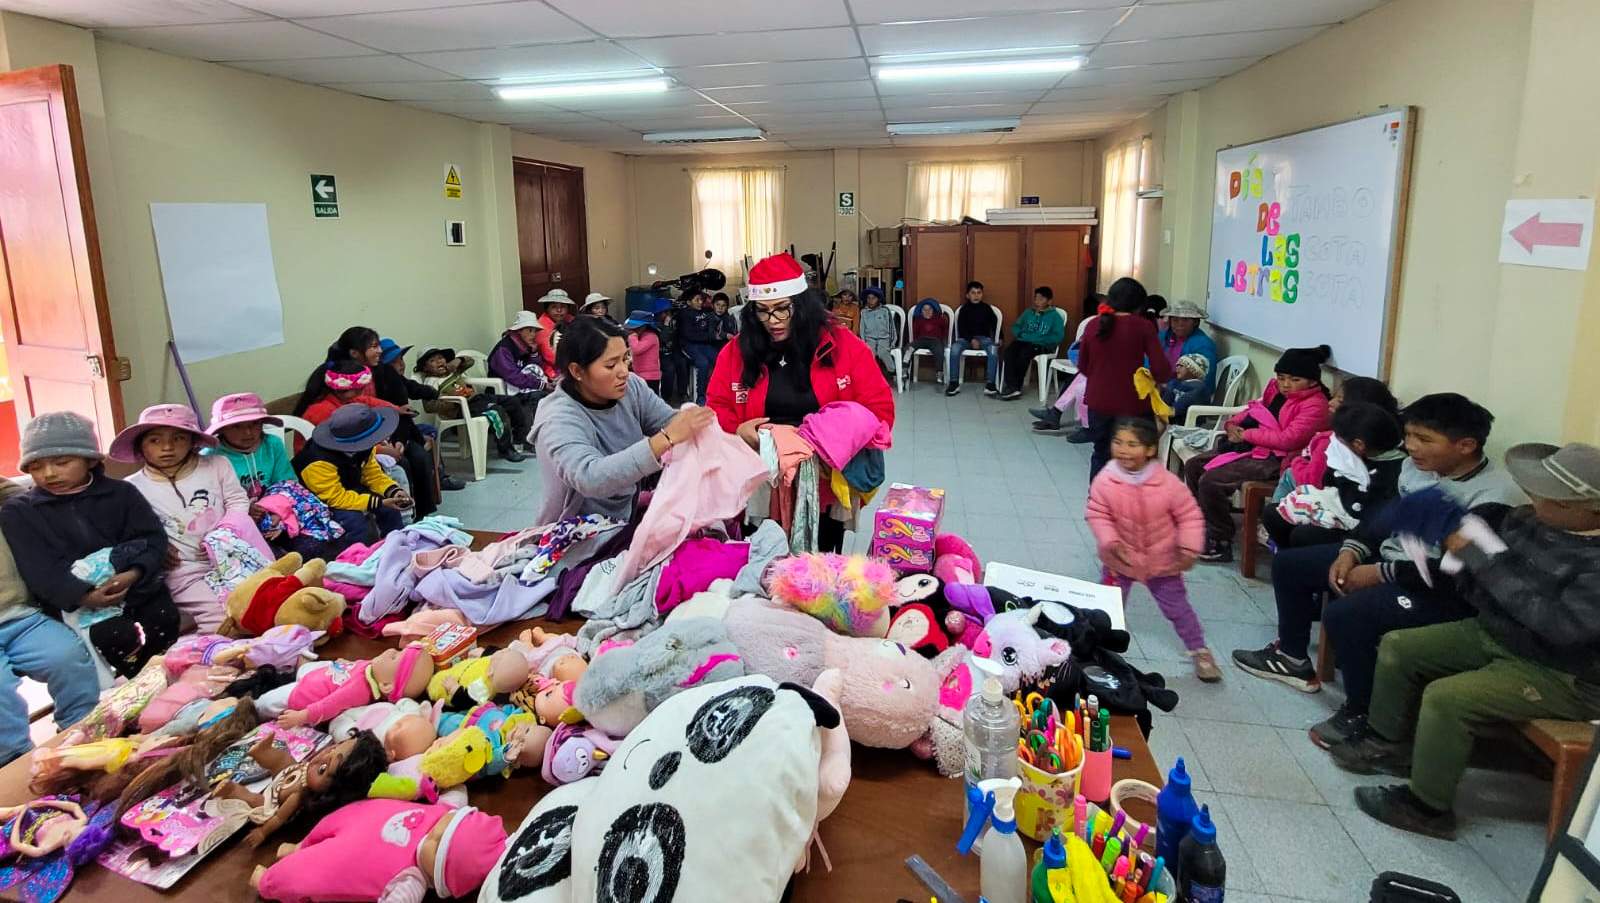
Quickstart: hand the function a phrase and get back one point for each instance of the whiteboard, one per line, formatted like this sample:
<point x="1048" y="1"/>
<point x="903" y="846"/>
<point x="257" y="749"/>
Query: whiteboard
<point x="216" y="268"/>
<point x="1305" y="238"/>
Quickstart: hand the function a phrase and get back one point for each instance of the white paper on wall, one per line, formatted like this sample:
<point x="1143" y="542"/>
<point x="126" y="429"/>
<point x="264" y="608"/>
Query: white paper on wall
<point x="216" y="268"/>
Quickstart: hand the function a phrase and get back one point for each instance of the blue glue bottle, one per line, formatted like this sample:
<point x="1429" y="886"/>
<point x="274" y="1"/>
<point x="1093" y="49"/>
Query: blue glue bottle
<point x="1175" y="811"/>
<point x="1202" y="870"/>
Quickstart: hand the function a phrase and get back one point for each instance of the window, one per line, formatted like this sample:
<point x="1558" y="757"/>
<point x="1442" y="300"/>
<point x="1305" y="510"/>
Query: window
<point x="736" y="213"/>
<point x="945" y="192"/>
<point x="1121" y="215"/>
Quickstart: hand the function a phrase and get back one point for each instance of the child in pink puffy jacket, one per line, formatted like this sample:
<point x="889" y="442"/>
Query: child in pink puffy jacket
<point x="1149" y="530"/>
<point x="1271" y="431"/>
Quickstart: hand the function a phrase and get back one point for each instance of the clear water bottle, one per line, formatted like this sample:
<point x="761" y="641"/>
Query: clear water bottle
<point x="991" y="727"/>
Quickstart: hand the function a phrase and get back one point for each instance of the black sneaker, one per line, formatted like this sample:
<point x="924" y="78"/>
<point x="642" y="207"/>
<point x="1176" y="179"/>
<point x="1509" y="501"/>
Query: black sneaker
<point x="952" y="389"/>
<point x="1364" y="752"/>
<point x="1344" y="724"/>
<point x="1080" y="437"/>
<point x="1217" y="552"/>
<point x="1397" y="807"/>
<point x="1011" y="395"/>
<point x="450" y="483"/>
<point x="1047" y="426"/>
<point x="991" y="389"/>
<point x="1271" y="664"/>
<point x="511" y="455"/>
<point x="1045" y="414"/>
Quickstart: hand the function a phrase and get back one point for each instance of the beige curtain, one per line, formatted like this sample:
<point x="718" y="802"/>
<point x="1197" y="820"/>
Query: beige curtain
<point x="735" y="212"/>
<point x="945" y="192"/>
<point x="1119" y="213"/>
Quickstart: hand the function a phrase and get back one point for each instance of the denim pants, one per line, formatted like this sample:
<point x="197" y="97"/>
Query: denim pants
<point x="46" y="650"/>
<point x="991" y="371"/>
<point x="704" y="358"/>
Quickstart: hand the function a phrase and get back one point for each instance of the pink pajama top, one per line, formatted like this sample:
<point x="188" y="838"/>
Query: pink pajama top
<point x="353" y="853"/>
<point x="327" y="692"/>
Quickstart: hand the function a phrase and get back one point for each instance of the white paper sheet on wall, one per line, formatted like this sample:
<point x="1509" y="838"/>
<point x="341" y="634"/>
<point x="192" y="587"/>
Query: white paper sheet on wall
<point x="216" y="267"/>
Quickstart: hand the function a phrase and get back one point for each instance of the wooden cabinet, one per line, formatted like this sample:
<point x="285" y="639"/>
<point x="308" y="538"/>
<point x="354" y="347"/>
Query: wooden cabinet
<point x="1010" y="261"/>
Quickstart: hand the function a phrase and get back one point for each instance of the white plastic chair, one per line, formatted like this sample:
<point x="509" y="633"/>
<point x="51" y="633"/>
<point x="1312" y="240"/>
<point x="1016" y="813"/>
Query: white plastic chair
<point x="478" y="374"/>
<point x="473" y="441"/>
<point x="1064" y="365"/>
<point x="914" y="353"/>
<point x="1041" y="362"/>
<point x="1231" y="373"/>
<point x="976" y="352"/>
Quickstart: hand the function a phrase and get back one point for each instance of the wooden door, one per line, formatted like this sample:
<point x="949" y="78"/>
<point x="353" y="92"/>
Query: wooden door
<point x="936" y="264"/>
<point x="551" y="230"/>
<point x="996" y="261"/>
<point x="1058" y="257"/>
<point x="57" y="327"/>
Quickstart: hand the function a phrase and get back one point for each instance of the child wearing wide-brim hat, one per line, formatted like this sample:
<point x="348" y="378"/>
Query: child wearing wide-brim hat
<point x="340" y="467"/>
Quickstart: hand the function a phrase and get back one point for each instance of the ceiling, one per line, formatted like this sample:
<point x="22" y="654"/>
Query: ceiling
<point x="799" y="69"/>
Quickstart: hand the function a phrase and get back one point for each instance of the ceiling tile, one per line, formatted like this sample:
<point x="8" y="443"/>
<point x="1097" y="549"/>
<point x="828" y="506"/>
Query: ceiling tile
<point x="642" y="124"/>
<point x="1085" y="27"/>
<point x="869" y="11"/>
<point x="237" y="41"/>
<point x="1127" y="89"/>
<point x="419" y="90"/>
<point x="755" y="47"/>
<point x="1036" y="83"/>
<point x="947" y="112"/>
<point x="1176" y="20"/>
<point x="1205" y="47"/>
<point x="132" y="13"/>
<point x="1157" y="72"/>
<point x="783" y="105"/>
<point x="495" y="25"/>
<point x="292" y="9"/>
<point x="771" y="73"/>
<point x="804" y="91"/>
<point x="631" y="18"/>
<point x="537" y="61"/>
<point x="1103" y="105"/>
<point x="378" y="68"/>
<point x="677" y="100"/>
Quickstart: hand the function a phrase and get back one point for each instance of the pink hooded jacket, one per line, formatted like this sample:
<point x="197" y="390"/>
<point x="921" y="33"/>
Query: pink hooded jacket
<point x="1311" y="465"/>
<point x="1154" y="520"/>
<point x="1303" y="415"/>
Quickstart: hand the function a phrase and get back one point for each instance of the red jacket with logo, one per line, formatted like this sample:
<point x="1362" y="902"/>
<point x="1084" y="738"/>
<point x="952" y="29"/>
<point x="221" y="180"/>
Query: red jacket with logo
<point x="852" y="375"/>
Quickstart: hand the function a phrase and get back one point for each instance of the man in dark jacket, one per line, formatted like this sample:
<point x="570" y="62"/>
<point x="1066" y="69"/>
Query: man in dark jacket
<point x="976" y="327"/>
<point x="1533" y="650"/>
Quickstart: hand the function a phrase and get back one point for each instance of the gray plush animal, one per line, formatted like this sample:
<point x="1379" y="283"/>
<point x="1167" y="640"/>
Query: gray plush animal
<point x="626" y="683"/>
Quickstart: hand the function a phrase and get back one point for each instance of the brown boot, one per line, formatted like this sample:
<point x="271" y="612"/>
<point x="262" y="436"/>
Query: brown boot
<point x="1205" y="666"/>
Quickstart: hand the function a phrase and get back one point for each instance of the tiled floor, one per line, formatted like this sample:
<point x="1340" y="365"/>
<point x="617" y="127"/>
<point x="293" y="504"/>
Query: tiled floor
<point x="1287" y="819"/>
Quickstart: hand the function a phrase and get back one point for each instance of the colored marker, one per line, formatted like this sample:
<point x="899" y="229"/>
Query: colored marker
<point x="1116" y="823"/>
<point x="1109" y="854"/>
<point x="1121" y="752"/>
<point x="1138" y="838"/>
<point x="1080" y="814"/>
<point x="1155" y="870"/>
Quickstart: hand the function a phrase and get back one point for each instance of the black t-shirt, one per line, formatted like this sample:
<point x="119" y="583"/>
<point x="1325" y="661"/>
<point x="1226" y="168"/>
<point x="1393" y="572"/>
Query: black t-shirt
<point x="789" y="394"/>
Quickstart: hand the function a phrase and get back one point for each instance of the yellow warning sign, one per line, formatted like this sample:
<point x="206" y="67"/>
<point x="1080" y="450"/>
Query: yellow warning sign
<point x="452" y="181"/>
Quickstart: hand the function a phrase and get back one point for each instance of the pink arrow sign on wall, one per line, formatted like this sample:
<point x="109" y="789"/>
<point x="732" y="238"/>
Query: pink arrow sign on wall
<point x="1534" y="231"/>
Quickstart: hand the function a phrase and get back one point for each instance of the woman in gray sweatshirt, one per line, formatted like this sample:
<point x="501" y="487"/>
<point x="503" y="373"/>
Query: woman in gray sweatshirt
<point x="602" y="430"/>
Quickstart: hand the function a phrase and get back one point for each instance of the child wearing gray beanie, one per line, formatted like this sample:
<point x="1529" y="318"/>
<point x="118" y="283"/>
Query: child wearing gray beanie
<point x="74" y="511"/>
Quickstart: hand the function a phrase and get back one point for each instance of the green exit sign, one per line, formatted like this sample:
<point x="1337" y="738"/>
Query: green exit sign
<point x="324" y="197"/>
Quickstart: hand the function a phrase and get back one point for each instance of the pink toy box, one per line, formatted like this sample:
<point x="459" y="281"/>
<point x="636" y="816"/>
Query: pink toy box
<point x="904" y="527"/>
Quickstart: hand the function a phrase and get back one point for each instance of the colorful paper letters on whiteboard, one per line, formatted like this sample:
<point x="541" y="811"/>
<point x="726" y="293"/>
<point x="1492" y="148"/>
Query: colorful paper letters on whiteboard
<point x="1274" y="272"/>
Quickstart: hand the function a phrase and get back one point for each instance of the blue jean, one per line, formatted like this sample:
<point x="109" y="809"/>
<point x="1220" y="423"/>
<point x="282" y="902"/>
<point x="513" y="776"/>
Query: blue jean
<point x="991" y="370"/>
<point x="704" y="358"/>
<point x="46" y="650"/>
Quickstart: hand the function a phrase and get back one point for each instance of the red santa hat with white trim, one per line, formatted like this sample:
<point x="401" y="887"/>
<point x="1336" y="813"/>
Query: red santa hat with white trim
<point x="778" y="276"/>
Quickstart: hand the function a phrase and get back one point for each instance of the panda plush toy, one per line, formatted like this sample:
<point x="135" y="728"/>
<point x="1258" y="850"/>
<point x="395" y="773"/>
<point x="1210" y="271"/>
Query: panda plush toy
<point x="713" y="797"/>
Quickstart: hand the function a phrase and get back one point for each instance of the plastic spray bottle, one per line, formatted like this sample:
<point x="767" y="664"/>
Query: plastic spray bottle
<point x="1053" y="856"/>
<point x="990" y="726"/>
<point x="1175" y="811"/>
<point x="1202" y="870"/>
<point x="1003" y="867"/>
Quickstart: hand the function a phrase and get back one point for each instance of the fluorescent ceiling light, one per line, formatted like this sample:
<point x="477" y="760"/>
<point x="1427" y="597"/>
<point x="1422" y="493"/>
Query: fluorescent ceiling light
<point x="977" y="70"/>
<point x="705" y="136"/>
<point x="955" y="127"/>
<point x="584" y="89"/>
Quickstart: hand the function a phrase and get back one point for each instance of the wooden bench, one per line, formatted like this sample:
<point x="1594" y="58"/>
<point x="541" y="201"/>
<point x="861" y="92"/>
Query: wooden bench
<point x="1567" y="745"/>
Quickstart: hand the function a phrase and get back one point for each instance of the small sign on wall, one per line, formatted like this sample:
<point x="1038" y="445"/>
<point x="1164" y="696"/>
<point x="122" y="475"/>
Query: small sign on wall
<point x="847" y="203"/>
<point x="455" y="233"/>
<point x="1548" y="232"/>
<point x="324" y="197"/>
<point x="452" y="181"/>
<point x="1030" y="200"/>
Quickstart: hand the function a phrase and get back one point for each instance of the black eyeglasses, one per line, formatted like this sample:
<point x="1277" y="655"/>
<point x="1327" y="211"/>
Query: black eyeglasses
<point x="774" y="314"/>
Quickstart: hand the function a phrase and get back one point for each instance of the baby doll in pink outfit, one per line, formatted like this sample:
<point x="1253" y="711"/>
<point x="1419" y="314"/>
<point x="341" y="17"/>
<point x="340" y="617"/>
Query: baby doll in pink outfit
<point x="394" y="674"/>
<point x="386" y="851"/>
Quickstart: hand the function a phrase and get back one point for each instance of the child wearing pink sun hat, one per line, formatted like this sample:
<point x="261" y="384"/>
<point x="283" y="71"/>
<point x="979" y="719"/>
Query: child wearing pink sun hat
<point x="195" y="496"/>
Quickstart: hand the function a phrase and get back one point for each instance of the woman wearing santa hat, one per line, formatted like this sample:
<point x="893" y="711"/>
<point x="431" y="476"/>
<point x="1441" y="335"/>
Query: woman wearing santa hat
<point x="791" y="358"/>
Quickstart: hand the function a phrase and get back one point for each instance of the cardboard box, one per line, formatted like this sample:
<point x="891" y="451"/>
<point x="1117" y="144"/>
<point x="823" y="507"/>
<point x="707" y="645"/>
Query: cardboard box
<point x="883" y="247"/>
<point x="904" y="528"/>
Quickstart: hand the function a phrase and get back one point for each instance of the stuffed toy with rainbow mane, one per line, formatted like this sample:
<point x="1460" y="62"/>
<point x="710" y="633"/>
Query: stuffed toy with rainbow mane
<point x="850" y="594"/>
